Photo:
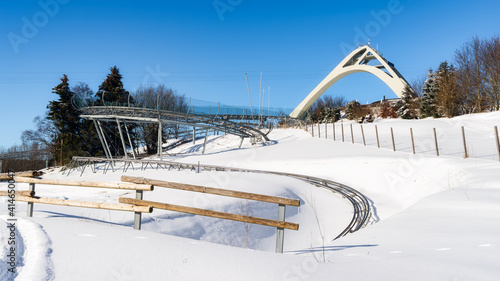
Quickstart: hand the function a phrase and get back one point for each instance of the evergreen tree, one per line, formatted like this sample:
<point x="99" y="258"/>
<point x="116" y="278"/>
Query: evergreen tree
<point x="428" y="107"/>
<point x="65" y="118"/>
<point x="111" y="90"/>
<point x="405" y="105"/>
<point x="353" y="110"/>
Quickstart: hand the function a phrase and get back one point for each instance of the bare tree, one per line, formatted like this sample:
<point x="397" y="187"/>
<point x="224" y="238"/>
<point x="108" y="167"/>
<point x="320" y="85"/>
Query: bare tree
<point x="162" y="98"/>
<point x="490" y="58"/>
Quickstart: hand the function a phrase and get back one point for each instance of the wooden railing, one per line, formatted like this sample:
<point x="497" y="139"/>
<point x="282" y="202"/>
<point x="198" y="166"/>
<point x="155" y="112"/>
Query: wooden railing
<point x="139" y="206"/>
<point x="280" y="224"/>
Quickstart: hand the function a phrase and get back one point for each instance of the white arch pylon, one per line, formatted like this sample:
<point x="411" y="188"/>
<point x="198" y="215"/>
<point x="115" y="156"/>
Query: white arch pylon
<point x="357" y="61"/>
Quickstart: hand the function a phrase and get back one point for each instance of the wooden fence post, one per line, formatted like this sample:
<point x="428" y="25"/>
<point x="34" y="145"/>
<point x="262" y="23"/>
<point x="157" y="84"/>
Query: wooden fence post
<point x="465" y="144"/>
<point x="393" y="144"/>
<point x="280" y="232"/>
<point x="436" y="141"/>
<point x="326" y="130"/>
<point x="319" y="131"/>
<point x="342" y="127"/>
<point x="363" y="134"/>
<point x="138" y="215"/>
<point x="333" y="130"/>
<point x="498" y="142"/>
<point x="376" y="133"/>
<point x="31" y="204"/>
<point x="412" y="142"/>
<point x="312" y="129"/>
<point x="352" y="134"/>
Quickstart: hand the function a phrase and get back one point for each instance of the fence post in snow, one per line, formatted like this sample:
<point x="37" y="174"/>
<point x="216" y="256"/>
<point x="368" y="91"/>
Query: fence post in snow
<point x="312" y="129"/>
<point x="342" y="126"/>
<point x="30" y="204"/>
<point x="393" y="144"/>
<point x="205" y="142"/>
<point x="498" y="142"/>
<point x="333" y="130"/>
<point x="319" y="131"/>
<point x="137" y="215"/>
<point x="376" y="134"/>
<point x="363" y="134"/>
<point x="352" y="134"/>
<point x="465" y="144"/>
<point x="280" y="232"/>
<point x="412" y="142"/>
<point x="436" y="141"/>
<point x="326" y="130"/>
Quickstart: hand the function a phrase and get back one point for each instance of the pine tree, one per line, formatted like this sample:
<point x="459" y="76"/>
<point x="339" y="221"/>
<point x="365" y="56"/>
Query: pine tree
<point x="65" y="118"/>
<point x="353" y="110"/>
<point x="111" y="90"/>
<point x="428" y="107"/>
<point x="405" y="105"/>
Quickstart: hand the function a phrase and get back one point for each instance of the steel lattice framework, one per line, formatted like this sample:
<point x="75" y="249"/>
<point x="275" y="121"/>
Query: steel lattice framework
<point x="244" y="126"/>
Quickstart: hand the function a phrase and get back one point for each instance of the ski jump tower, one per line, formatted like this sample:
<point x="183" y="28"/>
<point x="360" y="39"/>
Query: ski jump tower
<point x="357" y="61"/>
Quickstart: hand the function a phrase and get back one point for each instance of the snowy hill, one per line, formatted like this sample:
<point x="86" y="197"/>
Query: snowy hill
<point x="435" y="217"/>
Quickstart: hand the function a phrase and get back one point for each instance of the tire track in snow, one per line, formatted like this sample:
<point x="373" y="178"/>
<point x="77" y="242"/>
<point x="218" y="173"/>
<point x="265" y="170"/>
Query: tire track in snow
<point x="33" y="251"/>
<point x="5" y="274"/>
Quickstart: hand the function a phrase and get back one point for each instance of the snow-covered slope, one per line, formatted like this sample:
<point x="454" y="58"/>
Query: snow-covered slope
<point x="435" y="218"/>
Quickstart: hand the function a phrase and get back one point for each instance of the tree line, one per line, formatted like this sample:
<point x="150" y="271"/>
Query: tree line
<point x="65" y="134"/>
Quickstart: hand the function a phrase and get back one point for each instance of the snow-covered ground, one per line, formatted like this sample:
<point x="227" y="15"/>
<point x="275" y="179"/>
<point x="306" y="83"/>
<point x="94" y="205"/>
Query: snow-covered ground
<point x="435" y="218"/>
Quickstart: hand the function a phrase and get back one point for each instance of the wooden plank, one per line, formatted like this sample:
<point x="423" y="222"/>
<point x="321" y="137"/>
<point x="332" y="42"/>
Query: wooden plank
<point x="215" y="191"/>
<point x="86" y="204"/>
<point x="209" y="213"/>
<point x="5" y="176"/>
<point x="19" y="193"/>
<point x="113" y="185"/>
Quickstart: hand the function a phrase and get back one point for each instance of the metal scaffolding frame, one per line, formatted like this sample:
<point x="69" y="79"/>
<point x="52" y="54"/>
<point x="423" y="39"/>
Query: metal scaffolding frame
<point x="244" y="126"/>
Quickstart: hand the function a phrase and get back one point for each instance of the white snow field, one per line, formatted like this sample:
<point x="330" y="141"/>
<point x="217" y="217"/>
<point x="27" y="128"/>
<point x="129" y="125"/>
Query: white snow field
<point x="434" y="217"/>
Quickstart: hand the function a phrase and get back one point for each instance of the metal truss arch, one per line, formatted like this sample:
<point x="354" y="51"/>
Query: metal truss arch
<point x="355" y="62"/>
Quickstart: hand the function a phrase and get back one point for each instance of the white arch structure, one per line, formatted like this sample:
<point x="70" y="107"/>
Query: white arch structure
<point x="357" y="61"/>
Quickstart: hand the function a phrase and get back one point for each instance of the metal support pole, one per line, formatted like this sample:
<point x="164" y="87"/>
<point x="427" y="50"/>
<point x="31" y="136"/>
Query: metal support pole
<point x="465" y="143"/>
<point x="363" y="134"/>
<point x="376" y="134"/>
<point x="241" y="142"/>
<point x="393" y="143"/>
<point x="160" y="141"/>
<point x="205" y="142"/>
<point x="100" y="138"/>
<point x="280" y="232"/>
<point x="129" y="141"/>
<point x="498" y="142"/>
<point x="105" y="141"/>
<point x="352" y="134"/>
<point x="121" y="137"/>
<point x="137" y="215"/>
<point x="194" y="129"/>
<point x="412" y="142"/>
<point x="30" y="204"/>
<point x="436" y="141"/>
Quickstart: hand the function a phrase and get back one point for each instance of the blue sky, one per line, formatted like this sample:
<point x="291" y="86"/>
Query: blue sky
<point x="204" y="52"/>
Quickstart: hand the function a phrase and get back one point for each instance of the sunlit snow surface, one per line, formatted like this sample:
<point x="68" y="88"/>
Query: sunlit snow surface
<point x="435" y="218"/>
